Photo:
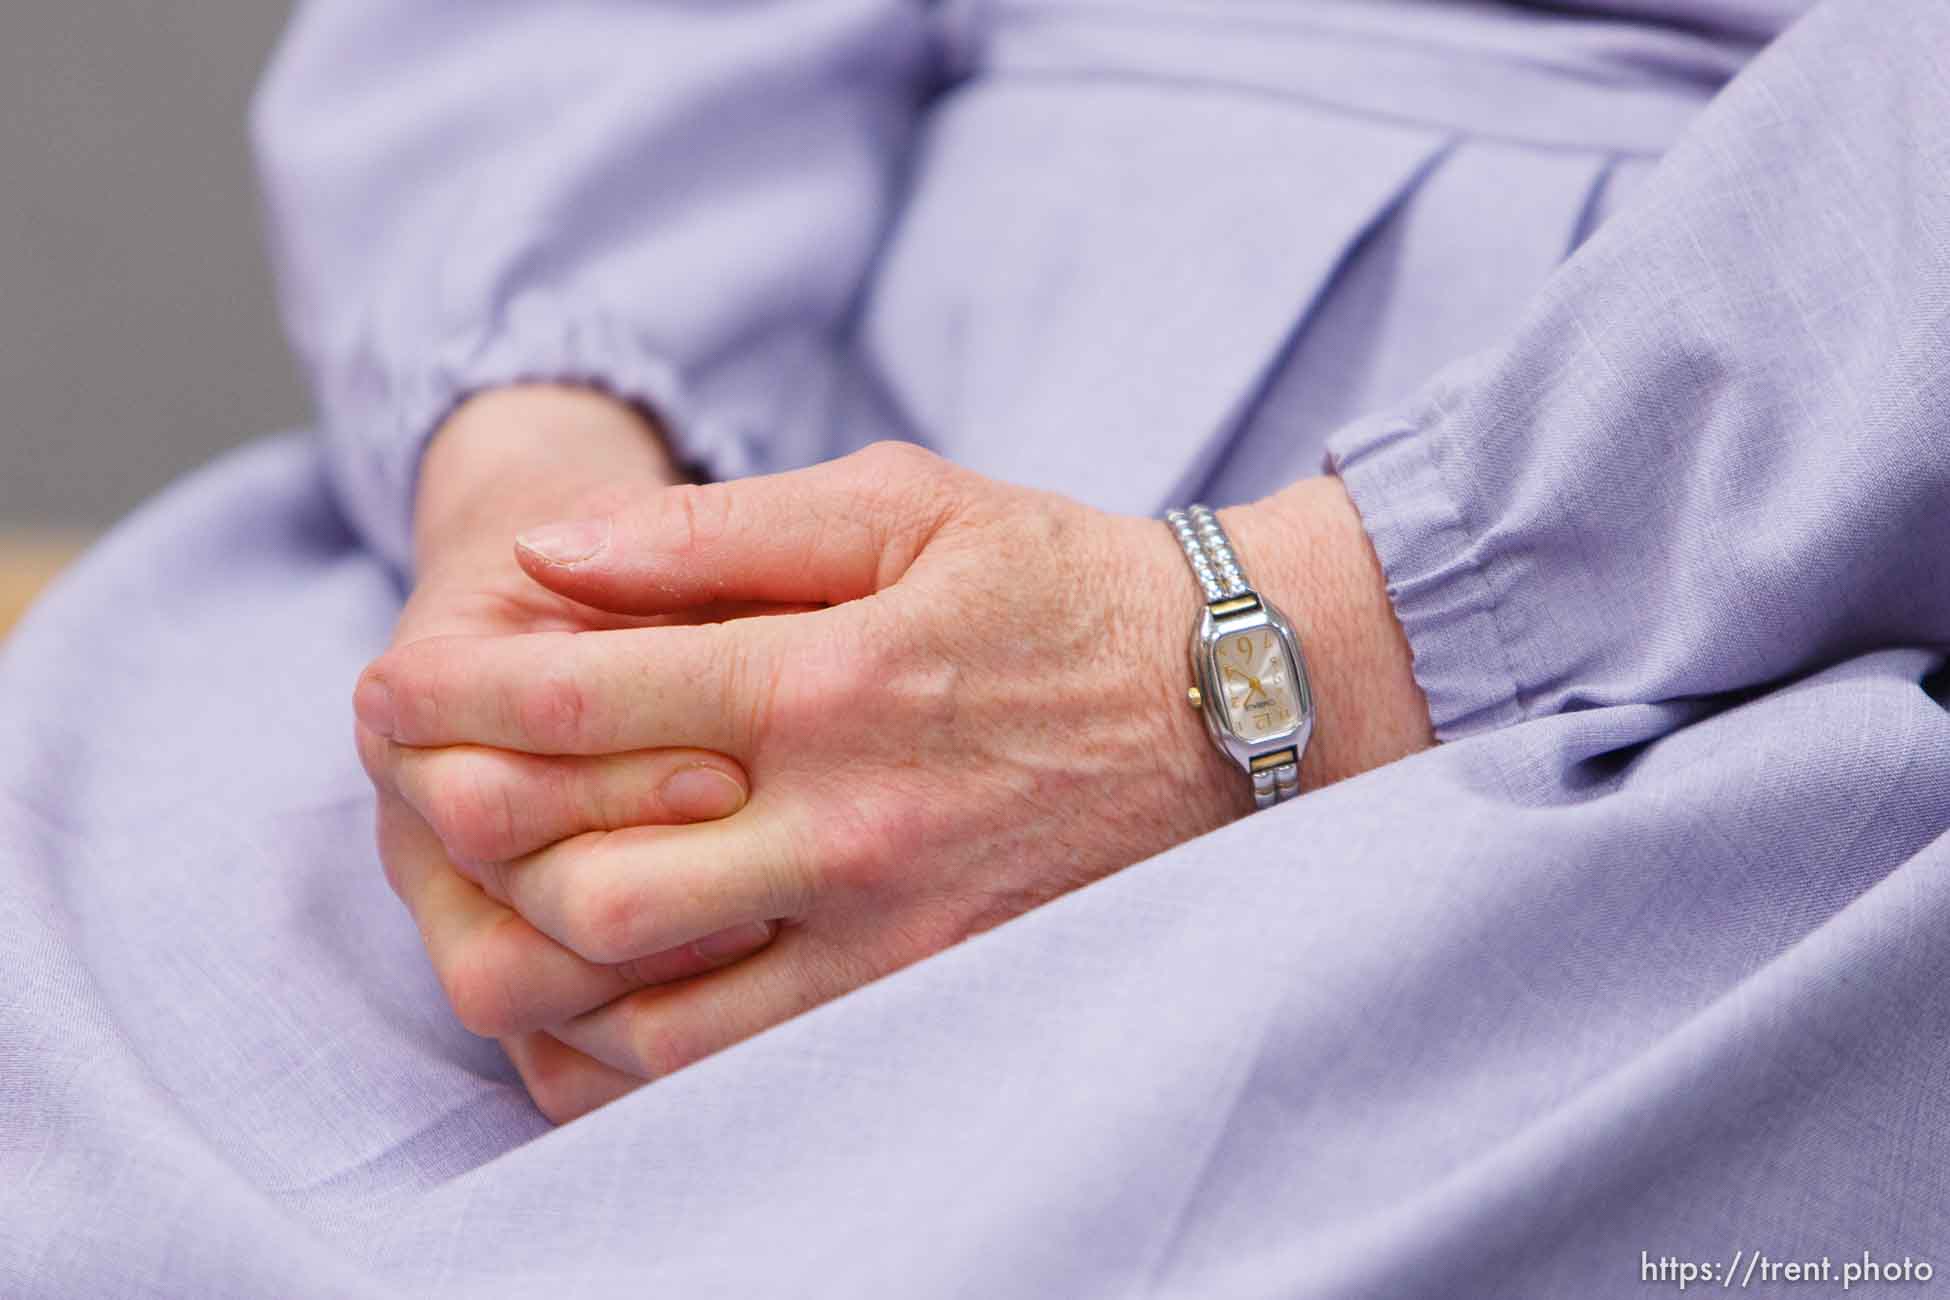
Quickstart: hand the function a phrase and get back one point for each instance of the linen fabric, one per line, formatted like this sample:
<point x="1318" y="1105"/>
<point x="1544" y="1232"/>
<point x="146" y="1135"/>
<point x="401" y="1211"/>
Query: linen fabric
<point x="1625" y="327"/>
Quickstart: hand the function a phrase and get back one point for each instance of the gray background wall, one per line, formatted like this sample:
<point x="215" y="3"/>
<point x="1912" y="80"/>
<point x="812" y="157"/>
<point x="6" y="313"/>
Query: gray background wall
<point x="137" y="331"/>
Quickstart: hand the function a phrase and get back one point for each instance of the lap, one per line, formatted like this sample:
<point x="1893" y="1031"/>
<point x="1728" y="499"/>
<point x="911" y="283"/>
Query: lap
<point x="1334" y="1047"/>
<point x="186" y="836"/>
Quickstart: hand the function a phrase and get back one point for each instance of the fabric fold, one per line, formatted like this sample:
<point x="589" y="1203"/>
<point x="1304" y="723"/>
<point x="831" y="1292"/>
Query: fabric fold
<point x="1120" y="285"/>
<point x="1711" y="457"/>
<point x="469" y="196"/>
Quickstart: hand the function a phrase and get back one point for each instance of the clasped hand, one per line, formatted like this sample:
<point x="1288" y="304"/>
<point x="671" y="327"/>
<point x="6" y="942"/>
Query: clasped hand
<point x="665" y="815"/>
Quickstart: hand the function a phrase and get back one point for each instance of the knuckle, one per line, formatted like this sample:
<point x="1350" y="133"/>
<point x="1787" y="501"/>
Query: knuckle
<point x="471" y="809"/>
<point x="602" y="923"/>
<point x="861" y="846"/>
<point x="659" y="1044"/>
<point x="549" y="1088"/>
<point x="911" y="492"/>
<point x="412" y="674"/>
<point x="551" y="1079"/>
<point x="480" y="983"/>
<point x="830" y="680"/>
<point x="912" y="488"/>
<point x="554" y="711"/>
<point x="894" y="461"/>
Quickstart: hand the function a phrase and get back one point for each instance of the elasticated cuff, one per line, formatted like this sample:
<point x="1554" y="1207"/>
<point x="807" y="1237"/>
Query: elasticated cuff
<point x="1431" y="556"/>
<point x="381" y="420"/>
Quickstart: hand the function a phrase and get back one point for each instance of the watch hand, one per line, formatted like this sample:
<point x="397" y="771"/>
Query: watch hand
<point x="1251" y="681"/>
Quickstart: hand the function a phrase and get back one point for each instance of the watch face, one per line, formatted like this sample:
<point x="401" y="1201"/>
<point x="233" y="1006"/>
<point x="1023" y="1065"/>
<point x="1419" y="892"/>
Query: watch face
<point x="1261" y="697"/>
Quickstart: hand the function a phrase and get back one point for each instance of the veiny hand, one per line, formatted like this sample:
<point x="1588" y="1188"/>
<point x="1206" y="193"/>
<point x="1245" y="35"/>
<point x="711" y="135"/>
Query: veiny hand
<point x="504" y="461"/>
<point x="990" y="711"/>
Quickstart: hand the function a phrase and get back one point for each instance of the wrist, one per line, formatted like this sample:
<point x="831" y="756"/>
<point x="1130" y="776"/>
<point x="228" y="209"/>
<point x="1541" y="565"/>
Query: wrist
<point x="1305" y="550"/>
<point x="512" y="457"/>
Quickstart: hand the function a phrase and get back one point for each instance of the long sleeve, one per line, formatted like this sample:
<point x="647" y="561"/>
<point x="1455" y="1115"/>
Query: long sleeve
<point x="673" y="201"/>
<point x="1716" y="454"/>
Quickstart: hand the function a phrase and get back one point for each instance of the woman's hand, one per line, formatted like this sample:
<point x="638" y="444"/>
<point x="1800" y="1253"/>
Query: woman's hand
<point x="990" y="712"/>
<point x="502" y="462"/>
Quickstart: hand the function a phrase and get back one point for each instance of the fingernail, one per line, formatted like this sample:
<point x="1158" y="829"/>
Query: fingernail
<point x="702" y="794"/>
<point x="569" y="543"/>
<point x="373" y="703"/>
<point x="735" y="942"/>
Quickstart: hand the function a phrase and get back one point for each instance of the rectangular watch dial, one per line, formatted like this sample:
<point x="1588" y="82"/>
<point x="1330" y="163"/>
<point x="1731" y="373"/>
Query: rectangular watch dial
<point x="1261" y="699"/>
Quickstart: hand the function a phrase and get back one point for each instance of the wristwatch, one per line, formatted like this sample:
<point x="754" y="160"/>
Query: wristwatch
<point x="1249" y="677"/>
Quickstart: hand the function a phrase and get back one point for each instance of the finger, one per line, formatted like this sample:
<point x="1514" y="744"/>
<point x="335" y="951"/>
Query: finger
<point x="610" y="896"/>
<point x="830" y="533"/>
<point x="563" y="1083"/>
<point x="500" y="974"/>
<point x="488" y="618"/>
<point x="657" y="1031"/>
<point x="491" y="805"/>
<point x="578" y="693"/>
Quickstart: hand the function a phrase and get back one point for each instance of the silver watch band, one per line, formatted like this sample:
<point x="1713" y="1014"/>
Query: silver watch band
<point x="1273" y="785"/>
<point x="1210" y="551"/>
<point x="1216" y="566"/>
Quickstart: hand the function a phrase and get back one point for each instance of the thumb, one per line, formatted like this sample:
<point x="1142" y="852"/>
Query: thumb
<point x="823" y="535"/>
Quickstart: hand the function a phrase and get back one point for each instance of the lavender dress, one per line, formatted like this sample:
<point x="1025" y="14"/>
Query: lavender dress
<point x="1627" y="329"/>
